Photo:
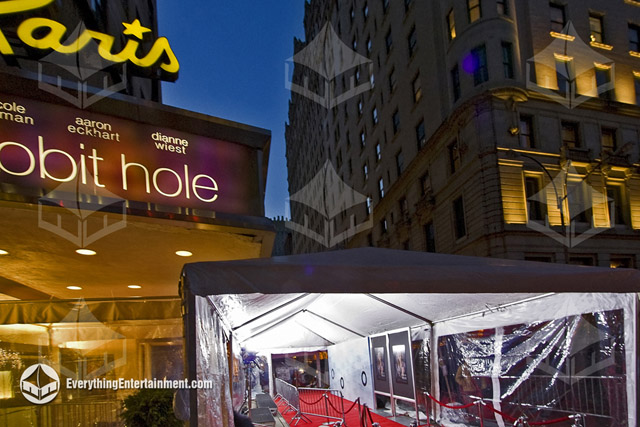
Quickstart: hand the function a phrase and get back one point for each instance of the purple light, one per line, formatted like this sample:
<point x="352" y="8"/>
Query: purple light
<point x="469" y="64"/>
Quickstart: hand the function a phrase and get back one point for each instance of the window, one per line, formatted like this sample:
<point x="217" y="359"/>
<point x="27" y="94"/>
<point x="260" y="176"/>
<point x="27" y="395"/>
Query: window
<point x="407" y="4"/>
<point x="455" y="159"/>
<point x="369" y="45"/>
<point x="421" y="138"/>
<point x="368" y="205"/>
<point x="527" y="137"/>
<point x="557" y="17"/>
<point x="634" y="38"/>
<point x="399" y="163"/>
<point x="474" y="10"/>
<point x="579" y="206"/>
<point x="503" y="7"/>
<point x="608" y="140"/>
<point x="588" y="260"/>
<point x="360" y="106"/>
<point x="455" y="82"/>
<point x="417" y="89"/>
<point x="352" y="13"/>
<point x="392" y="80"/>
<point x="374" y="116"/>
<point x="636" y="79"/>
<point x="451" y="25"/>
<point x="381" y="188"/>
<point x="404" y="208"/>
<point x="396" y="121"/>
<point x="430" y="237"/>
<point x="388" y="41"/>
<point x="363" y="139"/>
<point x="570" y="135"/>
<point x="365" y="11"/>
<point x="354" y="42"/>
<point x="385" y="5"/>
<point x="365" y="172"/>
<point x="603" y="82"/>
<point x="618" y="206"/>
<point x="480" y="68"/>
<point x="425" y="184"/>
<point x="412" y="41"/>
<point x="621" y="261"/>
<point x="565" y="77"/>
<point x="507" y="60"/>
<point x="535" y="211"/>
<point x="378" y="152"/>
<point x="460" y="226"/>
<point x="383" y="226"/>
<point x="596" y="28"/>
<point x="372" y="80"/>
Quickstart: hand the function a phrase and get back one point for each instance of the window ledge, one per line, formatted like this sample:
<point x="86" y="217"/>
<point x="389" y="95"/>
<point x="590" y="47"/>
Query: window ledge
<point x="634" y="53"/>
<point x="632" y="2"/>
<point x="562" y="36"/>
<point x="601" y="45"/>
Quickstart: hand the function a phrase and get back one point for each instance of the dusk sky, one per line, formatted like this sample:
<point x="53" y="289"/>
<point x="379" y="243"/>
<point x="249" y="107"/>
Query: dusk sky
<point x="232" y="65"/>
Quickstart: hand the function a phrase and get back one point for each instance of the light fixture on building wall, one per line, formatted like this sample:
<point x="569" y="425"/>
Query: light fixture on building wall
<point x="74" y="288"/>
<point x="134" y="287"/>
<point x="3" y="252"/>
<point x="514" y="130"/>
<point x="84" y="251"/>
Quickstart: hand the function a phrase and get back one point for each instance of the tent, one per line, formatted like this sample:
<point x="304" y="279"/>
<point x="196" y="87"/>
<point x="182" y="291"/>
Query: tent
<point x="514" y="322"/>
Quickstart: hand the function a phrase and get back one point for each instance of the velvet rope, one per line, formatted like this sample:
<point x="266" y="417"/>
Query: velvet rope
<point x="307" y="403"/>
<point x="502" y="414"/>
<point x="468" y="405"/>
<point x="353" y="405"/>
<point x="331" y="404"/>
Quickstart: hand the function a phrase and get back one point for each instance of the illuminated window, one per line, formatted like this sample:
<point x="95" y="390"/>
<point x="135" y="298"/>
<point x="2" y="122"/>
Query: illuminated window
<point x="596" y="28"/>
<point x="608" y="140"/>
<point x="360" y="106"/>
<point x="368" y="205"/>
<point x="369" y="44"/>
<point x="535" y="207"/>
<point x="507" y="60"/>
<point x="381" y="188"/>
<point x="570" y="135"/>
<point x="396" y="121"/>
<point x="455" y="159"/>
<point x="385" y="5"/>
<point x="503" y="7"/>
<point x="355" y="43"/>
<point x="557" y="17"/>
<point x="565" y="77"/>
<point x="365" y="172"/>
<point x="451" y="25"/>
<point x="634" y="38"/>
<point x="365" y="11"/>
<point x="374" y="115"/>
<point x="527" y="136"/>
<point x="383" y="226"/>
<point x="388" y="41"/>
<point x="417" y="89"/>
<point x="412" y="41"/>
<point x="460" y="226"/>
<point x="399" y="163"/>
<point x="420" y="135"/>
<point x="622" y="261"/>
<point x="378" y="152"/>
<point x="430" y="237"/>
<point x="352" y="14"/>
<point x="474" y="10"/>
<point x="363" y="139"/>
<point x="455" y="82"/>
<point x="480" y="67"/>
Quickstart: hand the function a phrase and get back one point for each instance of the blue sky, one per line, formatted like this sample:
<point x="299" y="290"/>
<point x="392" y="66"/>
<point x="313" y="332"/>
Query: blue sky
<point x="232" y="57"/>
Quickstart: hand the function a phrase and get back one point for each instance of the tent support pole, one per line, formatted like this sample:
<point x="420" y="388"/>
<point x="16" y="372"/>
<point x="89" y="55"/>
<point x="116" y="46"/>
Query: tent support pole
<point x="189" y="324"/>
<point x="333" y="323"/>
<point x="272" y="326"/>
<point x="397" y="307"/>
<point x="270" y="311"/>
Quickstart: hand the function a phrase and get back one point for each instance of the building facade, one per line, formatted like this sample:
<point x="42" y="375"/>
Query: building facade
<point x="488" y="125"/>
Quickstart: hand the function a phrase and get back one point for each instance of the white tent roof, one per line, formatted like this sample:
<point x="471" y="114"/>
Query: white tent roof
<point x="317" y="300"/>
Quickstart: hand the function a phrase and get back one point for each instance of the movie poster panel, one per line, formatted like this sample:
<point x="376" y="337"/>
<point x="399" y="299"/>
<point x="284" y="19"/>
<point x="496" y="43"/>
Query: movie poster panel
<point x="402" y="375"/>
<point x="380" y="364"/>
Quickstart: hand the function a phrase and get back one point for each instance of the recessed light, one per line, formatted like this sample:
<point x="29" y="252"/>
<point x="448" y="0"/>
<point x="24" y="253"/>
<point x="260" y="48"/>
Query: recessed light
<point x="134" y="287"/>
<point x="85" y="251"/>
<point x="74" y="288"/>
<point x="3" y="252"/>
<point x="183" y="253"/>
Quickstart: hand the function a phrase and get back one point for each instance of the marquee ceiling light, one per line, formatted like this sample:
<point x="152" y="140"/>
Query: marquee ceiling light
<point x="84" y="251"/>
<point x="134" y="287"/>
<point x="3" y="252"/>
<point x="184" y="253"/>
<point x="74" y="288"/>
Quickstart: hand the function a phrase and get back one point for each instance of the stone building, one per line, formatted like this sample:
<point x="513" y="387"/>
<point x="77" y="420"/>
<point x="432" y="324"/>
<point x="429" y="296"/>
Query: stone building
<point x="486" y="125"/>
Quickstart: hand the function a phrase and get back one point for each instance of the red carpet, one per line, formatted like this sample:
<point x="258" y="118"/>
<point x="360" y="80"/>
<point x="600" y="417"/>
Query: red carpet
<point x="352" y="417"/>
